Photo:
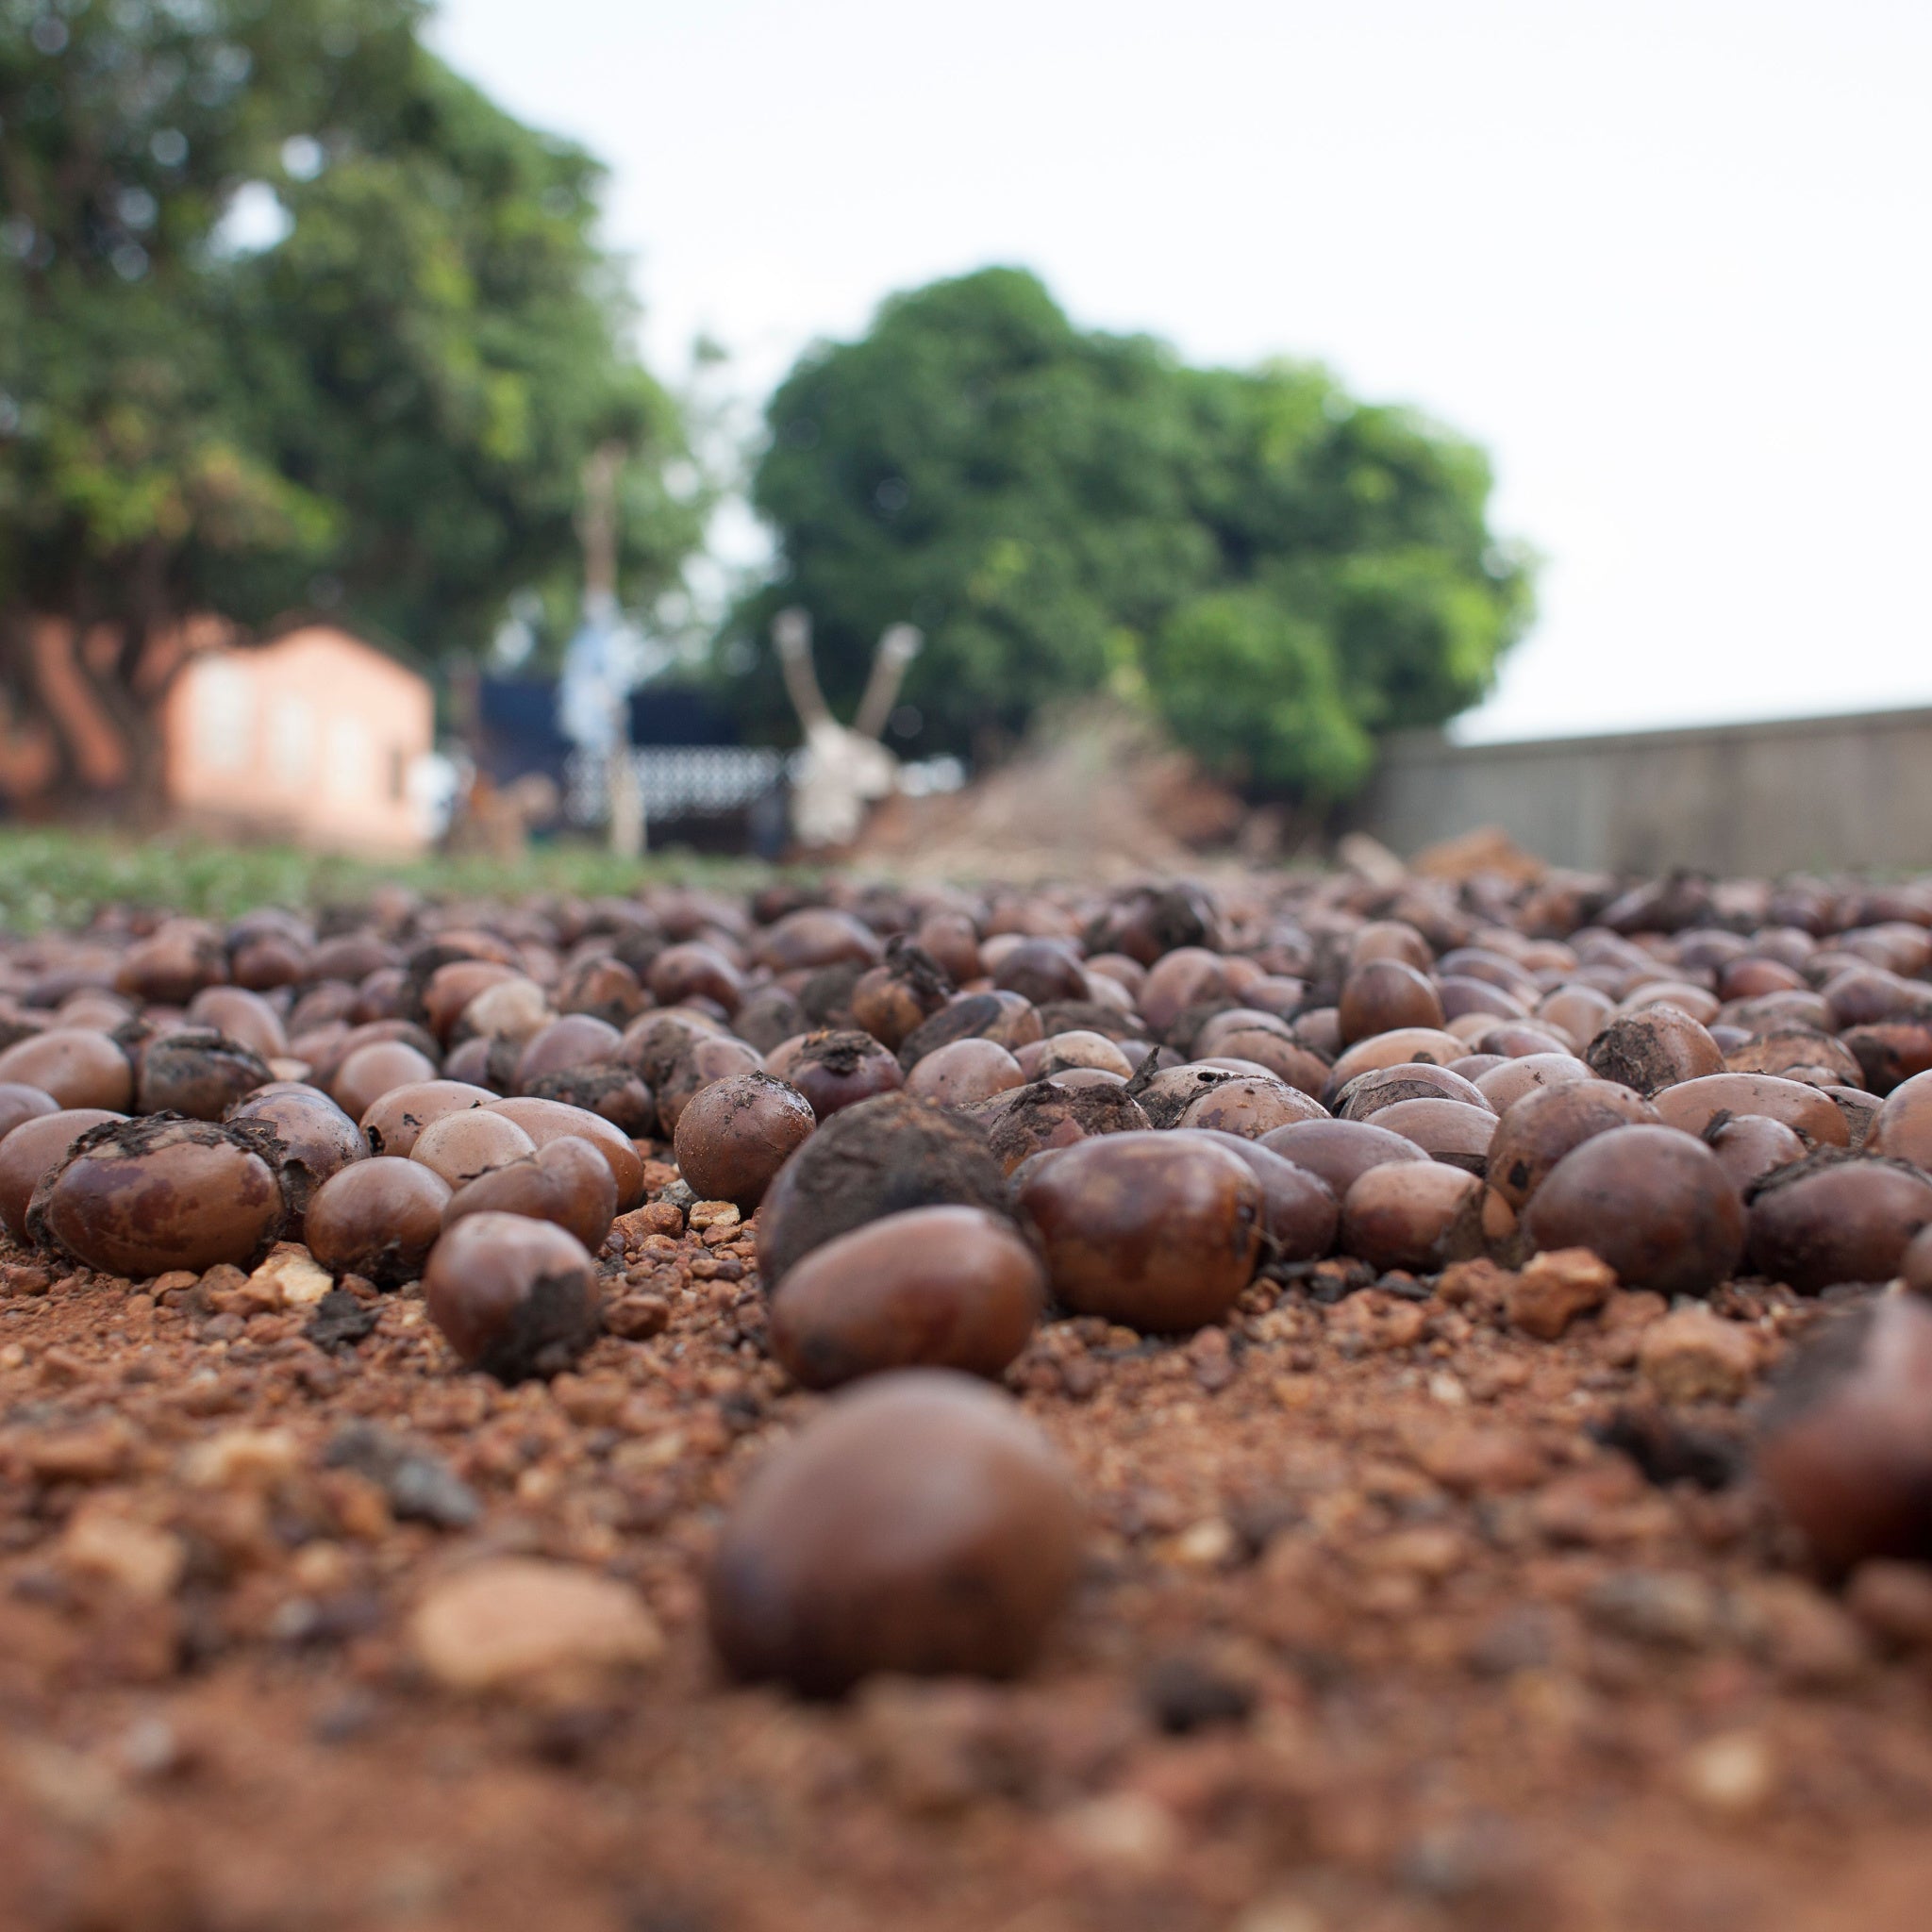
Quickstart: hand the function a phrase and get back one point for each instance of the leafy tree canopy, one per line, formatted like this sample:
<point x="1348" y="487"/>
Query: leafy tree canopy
<point x="380" y="402"/>
<point x="1284" y="572"/>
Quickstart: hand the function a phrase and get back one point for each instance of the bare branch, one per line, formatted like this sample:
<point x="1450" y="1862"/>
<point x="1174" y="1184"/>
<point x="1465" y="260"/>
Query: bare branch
<point x="898" y="645"/>
<point x="792" y="634"/>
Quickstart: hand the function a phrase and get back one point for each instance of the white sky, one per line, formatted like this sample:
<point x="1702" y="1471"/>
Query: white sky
<point x="1671" y="262"/>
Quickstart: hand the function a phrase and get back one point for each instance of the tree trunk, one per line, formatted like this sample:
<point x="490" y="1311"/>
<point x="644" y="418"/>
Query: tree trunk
<point x="80" y="712"/>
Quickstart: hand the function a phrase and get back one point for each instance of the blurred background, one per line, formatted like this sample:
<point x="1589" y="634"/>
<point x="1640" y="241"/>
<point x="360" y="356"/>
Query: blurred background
<point x="1250" y="425"/>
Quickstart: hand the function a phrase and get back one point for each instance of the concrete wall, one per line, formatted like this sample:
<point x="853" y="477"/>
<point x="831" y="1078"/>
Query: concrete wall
<point x="1795" y="795"/>
<point x="310" y="738"/>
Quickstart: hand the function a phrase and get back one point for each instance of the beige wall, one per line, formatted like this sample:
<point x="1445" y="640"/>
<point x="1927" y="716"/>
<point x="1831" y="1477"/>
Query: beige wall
<point x="311" y="738"/>
<point x="1790" y="795"/>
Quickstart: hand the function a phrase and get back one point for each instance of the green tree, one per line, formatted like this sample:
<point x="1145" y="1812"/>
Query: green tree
<point x="384" y="411"/>
<point x="1282" y="571"/>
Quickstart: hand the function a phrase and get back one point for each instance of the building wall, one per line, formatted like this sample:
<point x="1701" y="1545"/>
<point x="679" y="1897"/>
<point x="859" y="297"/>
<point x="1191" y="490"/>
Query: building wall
<point x="1789" y="795"/>
<point x="313" y="738"/>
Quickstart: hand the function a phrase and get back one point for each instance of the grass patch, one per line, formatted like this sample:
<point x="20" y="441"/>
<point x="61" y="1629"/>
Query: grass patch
<point x="61" y="878"/>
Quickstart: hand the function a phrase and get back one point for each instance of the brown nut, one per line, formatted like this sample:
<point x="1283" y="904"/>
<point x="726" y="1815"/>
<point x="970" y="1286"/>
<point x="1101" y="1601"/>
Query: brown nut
<point x="888" y="1001"/>
<point x="1652" y="1202"/>
<point x="836" y="1069"/>
<point x="1847" y="1446"/>
<point x="1290" y="1062"/>
<point x="1381" y="995"/>
<point x="1506" y="1083"/>
<point x="1076" y="1048"/>
<point x="736" y="1135"/>
<point x="566" y="1181"/>
<point x="172" y="965"/>
<point x="920" y="1524"/>
<point x="1154" y="1235"/>
<point x="1415" y="1215"/>
<point x="1835" y="1217"/>
<point x="1797" y="1053"/>
<point x="1368" y="1094"/>
<point x="1691" y="1104"/>
<point x="701" y="1061"/>
<point x="513" y="1298"/>
<point x="1891" y="1054"/>
<point x="879" y="1158"/>
<point x="605" y="988"/>
<point x="1004" y="1018"/>
<point x="1300" y="1213"/>
<point x="35" y="1148"/>
<point x="576" y="1039"/>
<point x="392" y="1123"/>
<point x="1915" y="1266"/>
<point x="196" y="1072"/>
<point x="695" y="971"/>
<point x="366" y="1074"/>
<point x="20" y="1103"/>
<point x="1445" y="1130"/>
<point x="1049" y="1115"/>
<point x="1339" y="1153"/>
<point x="318" y="1140"/>
<point x="143" y="1197"/>
<point x="1250" y="1107"/>
<point x="603" y="1088"/>
<point x="1750" y="1145"/>
<point x="941" y="1288"/>
<point x="544" y="1120"/>
<point x="1653" y="1049"/>
<point x="241" y="1016"/>
<point x="962" y="1072"/>
<point x="450" y="989"/>
<point x="1041" y="971"/>
<point x="378" y="1218"/>
<point x="1542" y="1127"/>
<point x="79" y="1067"/>
<point x="461" y="1145"/>
<point x="1425" y="1045"/>
<point x="1390" y="939"/>
<point x="1902" y="1129"/>
<point x="816" y="936"/>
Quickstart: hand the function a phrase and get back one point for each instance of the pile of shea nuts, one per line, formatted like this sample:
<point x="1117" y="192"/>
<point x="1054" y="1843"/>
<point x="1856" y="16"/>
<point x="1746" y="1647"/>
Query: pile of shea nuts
<point x="954" y="1114"/>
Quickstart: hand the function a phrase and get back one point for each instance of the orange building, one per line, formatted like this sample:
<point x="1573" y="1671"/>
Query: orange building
<point x="315" y="738"/>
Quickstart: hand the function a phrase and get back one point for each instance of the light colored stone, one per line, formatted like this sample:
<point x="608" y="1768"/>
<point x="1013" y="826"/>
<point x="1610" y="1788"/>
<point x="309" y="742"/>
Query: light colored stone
<point x="243" y="1460"/>
<point x="1731" y="1777"/>
<point x="1554" y="1288"/>
<point x="1694" y="1355"/>
<point x="517" y="1621"/>
<point x="289" y="1278"/>
<point x="1480" y="1461"/>
<point x="1125" y="1829"/>
<point x="94" y="1453"/>
<point x="142" y="1561"/>
<point x="1205" y="1545"/>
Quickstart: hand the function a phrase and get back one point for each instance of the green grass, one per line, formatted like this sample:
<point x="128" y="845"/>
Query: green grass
<point x="59" y="878"/>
